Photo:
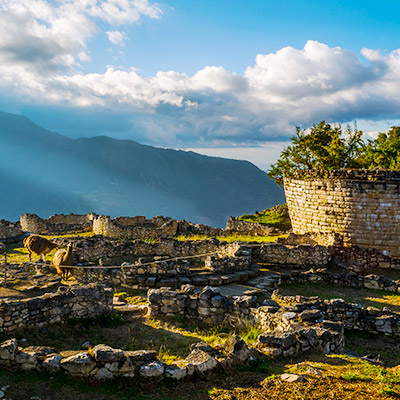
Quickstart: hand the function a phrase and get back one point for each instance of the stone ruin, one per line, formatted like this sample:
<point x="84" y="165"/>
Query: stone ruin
<point x="177" y="286"/>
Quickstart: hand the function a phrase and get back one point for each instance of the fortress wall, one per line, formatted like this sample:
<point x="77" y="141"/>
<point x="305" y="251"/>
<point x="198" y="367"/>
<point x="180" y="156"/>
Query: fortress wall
<point x="361" y="205"/>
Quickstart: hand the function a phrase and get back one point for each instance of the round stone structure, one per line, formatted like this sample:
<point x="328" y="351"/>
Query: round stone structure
<point x="362" y="205"/>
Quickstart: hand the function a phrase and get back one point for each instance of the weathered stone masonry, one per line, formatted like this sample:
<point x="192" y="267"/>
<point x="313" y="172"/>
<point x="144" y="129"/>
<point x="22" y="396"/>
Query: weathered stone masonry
<point x="362" y="205"/>
<point x="79" y="301"/>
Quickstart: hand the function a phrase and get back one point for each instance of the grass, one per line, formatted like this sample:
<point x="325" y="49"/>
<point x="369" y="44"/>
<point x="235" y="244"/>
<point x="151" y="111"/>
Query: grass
<point x="343" y="377"/>
<point x="232" y="238"/>
<point x="366" y="297"/>
<point x="136" y="300"/>
<point x="276" y="217"/>
<point x="18" y="255"/>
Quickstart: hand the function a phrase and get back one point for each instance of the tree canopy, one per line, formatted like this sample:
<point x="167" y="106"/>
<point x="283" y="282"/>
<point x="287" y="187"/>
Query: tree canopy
<point x="326" y="147"/>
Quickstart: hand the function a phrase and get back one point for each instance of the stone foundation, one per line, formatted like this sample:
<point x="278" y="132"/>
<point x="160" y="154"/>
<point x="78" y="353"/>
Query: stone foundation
<point x="76" y="301"/>
<point x="353" y="316"/>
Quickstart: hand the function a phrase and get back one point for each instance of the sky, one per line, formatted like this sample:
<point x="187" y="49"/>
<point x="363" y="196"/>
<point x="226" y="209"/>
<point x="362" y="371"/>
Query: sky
<point x="227" y="78"/>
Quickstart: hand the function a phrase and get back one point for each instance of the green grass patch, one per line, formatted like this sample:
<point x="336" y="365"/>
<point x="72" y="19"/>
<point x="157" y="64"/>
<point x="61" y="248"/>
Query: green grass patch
<point x="366" y="297"/>
<point x="276" y="217"/>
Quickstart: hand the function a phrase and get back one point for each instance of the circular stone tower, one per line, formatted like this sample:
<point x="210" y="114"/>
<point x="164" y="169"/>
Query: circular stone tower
<point x="362" y="205"/>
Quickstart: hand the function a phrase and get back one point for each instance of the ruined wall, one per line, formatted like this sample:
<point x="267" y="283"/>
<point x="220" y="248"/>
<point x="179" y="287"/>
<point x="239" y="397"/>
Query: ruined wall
<point x="135" y="228"/>
<point x="301" y="255"/>
<point x="57" y="224"/>
<point x="78" y="301"/>
<point x="362" y="205"/>
<point x="10" y="230"/>
<point x="353" y="316"/>
<point x="206" y="307"/>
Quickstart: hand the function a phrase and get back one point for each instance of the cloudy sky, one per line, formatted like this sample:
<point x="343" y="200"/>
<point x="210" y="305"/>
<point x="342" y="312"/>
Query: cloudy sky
<point x="221" y="77"/>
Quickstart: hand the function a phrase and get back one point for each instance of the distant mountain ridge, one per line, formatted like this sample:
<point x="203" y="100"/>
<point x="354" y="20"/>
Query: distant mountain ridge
<point x="44" y="172"/>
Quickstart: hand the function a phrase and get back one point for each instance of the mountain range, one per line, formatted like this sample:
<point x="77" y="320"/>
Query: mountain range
<point x="45" y="173"/>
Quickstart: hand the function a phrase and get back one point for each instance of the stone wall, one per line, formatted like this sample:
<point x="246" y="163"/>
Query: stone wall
<point x="223" y="265"/>
<point x="73" y="302"/>
<point x="57" y="224"/>
<point x="131" y="276"/>
<point x="353" y="316"/>
<point x="301" y="255"/>
<point x="362" y="205"/>
<point x="96" y="247"/>
<point x="350" y="279"/>
<point x="205" y="307"/>
<point x="10" y="231"/>
<point x="135" y="228"/>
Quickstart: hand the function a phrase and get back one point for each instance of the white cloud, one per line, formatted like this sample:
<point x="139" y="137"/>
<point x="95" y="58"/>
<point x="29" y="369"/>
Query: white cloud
<point x="117" y="37"/>
<point x="49" y="35"/>
<point x="282" y="89"/>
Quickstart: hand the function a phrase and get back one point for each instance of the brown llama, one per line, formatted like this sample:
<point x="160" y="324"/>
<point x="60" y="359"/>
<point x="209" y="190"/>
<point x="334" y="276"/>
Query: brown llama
<point x="38" y="245"/>
<point x="62" y="259"/>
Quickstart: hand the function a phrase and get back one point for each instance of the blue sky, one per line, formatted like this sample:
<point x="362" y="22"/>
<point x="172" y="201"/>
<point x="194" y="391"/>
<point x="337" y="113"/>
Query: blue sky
<point x="230" y="78"/>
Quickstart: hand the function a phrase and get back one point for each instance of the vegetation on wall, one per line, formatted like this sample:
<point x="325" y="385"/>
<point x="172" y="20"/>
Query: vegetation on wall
<point x="277" y="217"/>
<point x="326" y="147"/>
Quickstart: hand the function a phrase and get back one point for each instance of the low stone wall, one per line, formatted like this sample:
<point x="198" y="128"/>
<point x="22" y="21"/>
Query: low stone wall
<point x="156" y="266"/>
<point x="301" y="255"/>
<point x="289" y="331"/>
<point x="235" y="225"/>
<point x="96" y="247"/>
<point x="57" y="224"/>
<point x="286" y="333"/>
<point x="103" y="362"/>
<point x="227" y="264"/>
<point x="10" y="231"/>
<point x="361" y="259"/>
<point x="73" y="302"/>
<point x="206" y="307"/>
<point x="130" y="276"/>
<point x="353" y="316"/>
<point x="350" y="279"/>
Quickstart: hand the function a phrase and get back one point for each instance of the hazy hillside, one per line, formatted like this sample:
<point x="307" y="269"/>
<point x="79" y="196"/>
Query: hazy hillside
<point x="45" y="173"/>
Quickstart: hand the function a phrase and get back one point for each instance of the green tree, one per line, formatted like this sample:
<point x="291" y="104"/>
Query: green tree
<point x="384" y="151"/>
<point x="324" y="147"/>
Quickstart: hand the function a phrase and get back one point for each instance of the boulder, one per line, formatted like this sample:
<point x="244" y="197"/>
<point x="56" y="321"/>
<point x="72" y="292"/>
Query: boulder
<point x="175" y="372"/>
<point x="152" y="370"/>
<point x="235" y="346"/>
<point x="52" y="362"/>
<point x="201" y="361"/>
<point x="78" y="364"/>
<point x="106" y="354"/>
<point x="292" y="378"/>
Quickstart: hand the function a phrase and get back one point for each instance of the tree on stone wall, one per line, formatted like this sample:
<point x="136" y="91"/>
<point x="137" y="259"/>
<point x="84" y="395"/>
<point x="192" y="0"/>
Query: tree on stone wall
<point x="323" y="147"/>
